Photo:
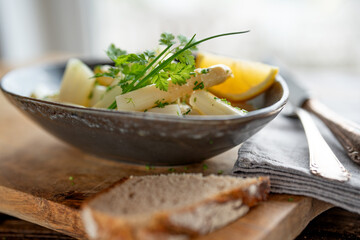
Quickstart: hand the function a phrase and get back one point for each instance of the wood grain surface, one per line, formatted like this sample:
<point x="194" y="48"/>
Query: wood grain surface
<point x="333" y="224"/>
<point x="44" y="181"/>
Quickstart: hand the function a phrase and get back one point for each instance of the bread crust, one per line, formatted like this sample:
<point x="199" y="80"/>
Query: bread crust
<point x="160" y="226"/>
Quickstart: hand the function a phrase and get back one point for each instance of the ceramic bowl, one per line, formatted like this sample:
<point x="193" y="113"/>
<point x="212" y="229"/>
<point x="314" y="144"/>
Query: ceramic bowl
<point x="137" y="137"/>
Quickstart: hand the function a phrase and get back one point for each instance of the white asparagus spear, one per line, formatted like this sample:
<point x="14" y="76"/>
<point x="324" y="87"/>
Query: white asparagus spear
<point x="148" y="97"/>
<point x="109" y="97"/>
<point x="194" y="112"/>
<point x="187" y="110"/>
<point x="97" y="94"/>
<point x="184" y="108"/>
<point x="77" y="83"/>
<point x="171" y="109"/>
<point x="208" y="104"/>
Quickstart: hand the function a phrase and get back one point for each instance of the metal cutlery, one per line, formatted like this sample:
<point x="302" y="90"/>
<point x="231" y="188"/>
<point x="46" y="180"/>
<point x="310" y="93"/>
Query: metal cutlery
<point x="323" y="161"/>
<point x="346" y="131"/>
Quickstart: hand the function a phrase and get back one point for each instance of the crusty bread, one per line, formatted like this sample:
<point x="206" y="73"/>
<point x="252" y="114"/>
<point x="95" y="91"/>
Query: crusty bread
<point x="173" y="206"/>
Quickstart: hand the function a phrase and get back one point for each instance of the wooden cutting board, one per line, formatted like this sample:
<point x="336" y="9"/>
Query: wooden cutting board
<point x="44" y="181"/>
<point x="35" y="184"/>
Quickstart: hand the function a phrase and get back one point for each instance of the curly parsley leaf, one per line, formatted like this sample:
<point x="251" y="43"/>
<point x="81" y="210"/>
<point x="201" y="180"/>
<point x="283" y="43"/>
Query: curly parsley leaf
<point x="150" y="54"/>
<point x="167" y="39"/>
<point x="186" y="57"/>
<point x="114" y="52"/>
<point x="179" y="72"/>
<point x="124" y="60"/>
<point x="111" y="72"/>
<point x="185" y="41"/>
<point x="133" y="70"/>
<point x="161" y="81"/>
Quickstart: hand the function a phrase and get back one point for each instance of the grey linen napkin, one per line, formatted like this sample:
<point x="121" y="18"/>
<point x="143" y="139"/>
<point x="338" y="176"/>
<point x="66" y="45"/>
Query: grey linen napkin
<point x="280" y="151"/>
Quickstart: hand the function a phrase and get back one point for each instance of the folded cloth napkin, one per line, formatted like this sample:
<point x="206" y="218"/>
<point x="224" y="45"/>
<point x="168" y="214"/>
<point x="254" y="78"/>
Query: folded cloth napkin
<point x="280" y="151"/>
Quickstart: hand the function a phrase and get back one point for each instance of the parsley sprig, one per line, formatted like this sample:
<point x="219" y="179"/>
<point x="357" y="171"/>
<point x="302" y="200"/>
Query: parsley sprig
<point x="176" y="62"/>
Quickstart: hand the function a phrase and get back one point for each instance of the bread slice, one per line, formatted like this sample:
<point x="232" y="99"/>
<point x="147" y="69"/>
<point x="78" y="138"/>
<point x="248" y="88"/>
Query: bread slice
<point x="173" y="206"/>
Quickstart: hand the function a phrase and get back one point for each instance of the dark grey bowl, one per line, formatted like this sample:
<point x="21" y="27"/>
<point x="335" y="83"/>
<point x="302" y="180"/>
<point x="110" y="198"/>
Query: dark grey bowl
<point x="137" y="137"/>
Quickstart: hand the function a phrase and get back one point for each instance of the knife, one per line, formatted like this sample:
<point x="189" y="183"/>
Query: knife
<point x="346" y="131"/>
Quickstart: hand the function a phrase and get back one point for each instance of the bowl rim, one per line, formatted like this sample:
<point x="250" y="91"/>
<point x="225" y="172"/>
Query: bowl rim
<point x="149" y="116"/>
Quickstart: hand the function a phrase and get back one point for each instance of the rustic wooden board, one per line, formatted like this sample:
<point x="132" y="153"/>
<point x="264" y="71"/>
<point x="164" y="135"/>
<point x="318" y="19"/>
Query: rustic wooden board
<point x="34" y="184"/>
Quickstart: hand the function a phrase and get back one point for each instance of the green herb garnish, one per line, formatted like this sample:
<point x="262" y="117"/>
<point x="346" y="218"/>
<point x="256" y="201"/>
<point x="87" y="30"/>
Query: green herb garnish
<point x="108" y="88"/>
<point x="91" y="95"/>
<point x="198" y="86"/>
<point x="187" y="112"/>
<point x="72" y="180"/>
<point x="204" y="71"/>
<point x="171" y="169"/>
<point x="114" y="52"/>
<point x="160" y="104"/>
<point x="242" y="110"/>
<point x="146" y="68"/>
<point x="205" y="167"/>
<point x="113" y="105"/>
<point x="220" y="172"/>
<point x="129" y="100"/>
<point x="290" y="199"/>
<point x="148" y="167"/>
<point x="224" y="100"/>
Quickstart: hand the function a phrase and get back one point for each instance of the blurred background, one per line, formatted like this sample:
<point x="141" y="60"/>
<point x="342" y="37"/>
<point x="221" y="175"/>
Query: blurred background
<point x="318" y="40"/>
<point x="301" y="33"/>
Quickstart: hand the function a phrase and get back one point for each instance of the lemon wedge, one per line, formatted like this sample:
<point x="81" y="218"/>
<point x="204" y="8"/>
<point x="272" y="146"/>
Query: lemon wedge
<point x="249" y="78"/>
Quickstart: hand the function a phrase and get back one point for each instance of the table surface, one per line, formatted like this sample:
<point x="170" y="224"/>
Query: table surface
<point x="335" y="223"/>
